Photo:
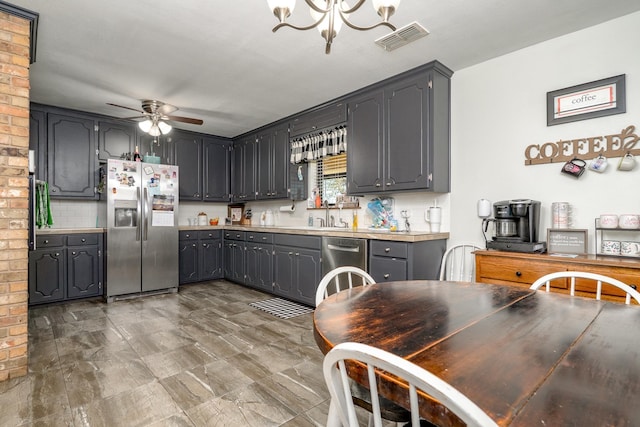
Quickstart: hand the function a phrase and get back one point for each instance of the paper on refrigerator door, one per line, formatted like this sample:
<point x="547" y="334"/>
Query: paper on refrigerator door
<point x="162" y="208"/>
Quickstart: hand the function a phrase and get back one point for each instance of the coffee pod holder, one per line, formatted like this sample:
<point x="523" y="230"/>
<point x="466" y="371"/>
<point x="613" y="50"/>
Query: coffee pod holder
<point x="627" y="239"/>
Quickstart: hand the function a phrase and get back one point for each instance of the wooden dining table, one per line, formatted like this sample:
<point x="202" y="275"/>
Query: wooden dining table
<point x="527" y="358"/>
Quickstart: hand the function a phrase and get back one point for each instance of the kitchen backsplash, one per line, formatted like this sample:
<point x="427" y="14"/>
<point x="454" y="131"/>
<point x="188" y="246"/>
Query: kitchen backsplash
<point x="83" y="214"/>
<point x="77" y="214"/>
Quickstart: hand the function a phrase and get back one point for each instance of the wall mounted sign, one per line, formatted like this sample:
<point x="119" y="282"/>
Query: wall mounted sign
<point x="566" y="241"/>
<point x="586" y="101"/>
<point x="615" y="145"/>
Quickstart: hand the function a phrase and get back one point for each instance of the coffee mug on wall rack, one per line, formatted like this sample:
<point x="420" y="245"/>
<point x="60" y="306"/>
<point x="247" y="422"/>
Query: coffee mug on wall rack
<point x="574" y="167"/>
<point x="627" y="163"/>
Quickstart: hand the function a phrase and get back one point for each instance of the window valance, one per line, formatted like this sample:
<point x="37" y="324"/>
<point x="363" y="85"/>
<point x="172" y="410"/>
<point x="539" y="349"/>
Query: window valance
<point x="318" y="145"/>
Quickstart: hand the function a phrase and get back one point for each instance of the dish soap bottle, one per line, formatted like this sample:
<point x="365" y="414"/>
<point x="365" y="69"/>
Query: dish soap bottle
<point x="355" y="221"/>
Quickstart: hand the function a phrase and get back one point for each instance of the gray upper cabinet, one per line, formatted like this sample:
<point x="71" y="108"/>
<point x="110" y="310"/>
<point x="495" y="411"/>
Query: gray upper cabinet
<point x="204" y="166"/>
<point x="365" y="150"/>
<point x="319" y="118"/>
<point x="71" y="156"/>
<point x="273" y="163"/>
<point x="38" y="140"/>
<point x="243" y="183"/>
<point x="115" y="138"/>
<point x="187" y="155"/>
<point x="399" y="133"/>
<point x="216" y="167"/>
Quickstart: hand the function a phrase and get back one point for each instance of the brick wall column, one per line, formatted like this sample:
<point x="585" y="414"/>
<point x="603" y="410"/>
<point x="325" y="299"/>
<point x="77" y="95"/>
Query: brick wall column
<point x="14" y="194"/>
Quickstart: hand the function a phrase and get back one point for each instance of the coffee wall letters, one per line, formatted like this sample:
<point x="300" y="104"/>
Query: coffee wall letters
<point x="615" y="145"/>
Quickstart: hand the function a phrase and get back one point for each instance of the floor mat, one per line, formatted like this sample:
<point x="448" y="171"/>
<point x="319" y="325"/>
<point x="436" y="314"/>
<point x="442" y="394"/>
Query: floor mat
<point x="282" y="308"/>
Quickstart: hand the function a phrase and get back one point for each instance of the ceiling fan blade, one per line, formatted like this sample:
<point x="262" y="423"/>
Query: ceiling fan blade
<point x="128" y="108"/>
<point x="184" y="120"/>
<point x="135" y="117"/>
<point x="166" y="109"/>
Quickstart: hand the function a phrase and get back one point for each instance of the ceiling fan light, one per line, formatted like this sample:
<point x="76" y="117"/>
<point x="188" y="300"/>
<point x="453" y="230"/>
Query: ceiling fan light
<point x="155" y="130"/>
<point x="165" y="128"/>
<point x="145" y="125"/>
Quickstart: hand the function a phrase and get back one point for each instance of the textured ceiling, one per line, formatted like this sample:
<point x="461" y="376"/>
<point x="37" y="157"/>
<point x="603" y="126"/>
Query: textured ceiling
<point x="220" y="62"/>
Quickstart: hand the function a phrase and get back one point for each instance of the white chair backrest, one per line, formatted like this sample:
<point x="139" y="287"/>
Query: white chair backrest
<point x="334" y="277"/>
<point x="458" y="263"/>
<point x="598" y="278"/>
<point x="342" y="408"/>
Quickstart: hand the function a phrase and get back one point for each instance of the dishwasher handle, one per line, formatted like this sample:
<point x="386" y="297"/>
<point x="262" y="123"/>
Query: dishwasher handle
<point x="343" y="248"/>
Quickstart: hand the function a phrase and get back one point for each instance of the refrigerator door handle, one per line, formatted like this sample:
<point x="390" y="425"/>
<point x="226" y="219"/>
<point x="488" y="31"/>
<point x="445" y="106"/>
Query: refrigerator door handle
<point x="139" y="209"/>
<point x="146" y="213"/>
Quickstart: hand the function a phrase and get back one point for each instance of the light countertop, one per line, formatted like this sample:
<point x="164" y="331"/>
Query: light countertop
<point x="362" y="233"/>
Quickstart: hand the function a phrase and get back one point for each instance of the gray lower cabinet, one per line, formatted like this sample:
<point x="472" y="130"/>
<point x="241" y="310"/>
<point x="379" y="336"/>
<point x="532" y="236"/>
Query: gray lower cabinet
<point x="259" y="261"/>
<point x="296" y="267"/>
<point x="66" y="267"/>
<point x="234" y="256"/>
<point x="390" y="261"/>
<point x="200" y="255"/>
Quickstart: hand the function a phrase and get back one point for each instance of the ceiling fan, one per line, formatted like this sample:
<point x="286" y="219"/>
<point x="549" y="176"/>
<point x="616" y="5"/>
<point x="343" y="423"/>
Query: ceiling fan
<point x="156" y="113"/>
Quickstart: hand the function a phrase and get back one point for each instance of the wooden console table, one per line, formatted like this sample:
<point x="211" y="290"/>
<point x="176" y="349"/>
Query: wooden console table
<point x="520" y="269"/>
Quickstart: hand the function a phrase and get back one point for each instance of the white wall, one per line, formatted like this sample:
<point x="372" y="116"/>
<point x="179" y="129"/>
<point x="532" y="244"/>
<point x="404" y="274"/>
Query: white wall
<point x="499" y="108"/>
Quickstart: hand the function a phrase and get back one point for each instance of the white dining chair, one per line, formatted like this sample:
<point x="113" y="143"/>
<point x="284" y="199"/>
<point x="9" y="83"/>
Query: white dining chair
<point x="342" y="411"/>
<point x="598" y="278"/>
<point x="342" y="278"/>
<point x="458" y="263"/>
<point x="347" y="277"/>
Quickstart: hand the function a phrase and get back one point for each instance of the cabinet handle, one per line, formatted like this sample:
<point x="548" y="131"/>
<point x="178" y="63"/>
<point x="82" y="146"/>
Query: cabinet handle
<point x="73" y="253"/>
<point x="264" y="238"/>
<point x="378" y="184"/>
<point x="57" y="254"/>
<point x="386" y="276"/>
<point x="210" y="235"/>
<point x="53" y="190"/>
<point x="518" y="273"/>
<point x="194" y="245"/>
<point x="84" y="240"/>
<point x="387" y="250"/>
<point x="46" y="242"/>
<point x="188" y="235"/>
<point x="250" y="237"/>
<point x="388" y="184"/>
<point x="297" y="254"/>
<point x="255" y="248"/>
<point x="290" y="253"/>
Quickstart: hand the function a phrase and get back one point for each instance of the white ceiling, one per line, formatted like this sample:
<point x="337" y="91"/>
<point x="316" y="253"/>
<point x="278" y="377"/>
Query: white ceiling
<point x="219" y="61"/>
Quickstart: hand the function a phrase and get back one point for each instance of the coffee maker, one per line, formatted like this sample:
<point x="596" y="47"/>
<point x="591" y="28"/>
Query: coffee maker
<point x="516" y="224"/>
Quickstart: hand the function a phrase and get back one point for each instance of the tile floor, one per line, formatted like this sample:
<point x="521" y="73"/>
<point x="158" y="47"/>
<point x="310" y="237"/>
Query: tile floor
<point x="201" y="357"/>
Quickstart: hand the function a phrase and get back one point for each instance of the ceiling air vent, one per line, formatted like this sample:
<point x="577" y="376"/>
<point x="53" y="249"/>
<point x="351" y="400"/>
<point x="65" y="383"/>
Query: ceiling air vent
<point x="402" y="36"/>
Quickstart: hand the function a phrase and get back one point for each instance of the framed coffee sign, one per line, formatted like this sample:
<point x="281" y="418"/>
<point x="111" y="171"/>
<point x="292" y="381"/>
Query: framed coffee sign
<point x="567" y="241"/>
<point x="586" y="101"/>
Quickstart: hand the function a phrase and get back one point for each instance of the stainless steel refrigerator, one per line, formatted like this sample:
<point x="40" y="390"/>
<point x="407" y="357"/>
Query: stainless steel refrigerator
<point x="142" y="228"/>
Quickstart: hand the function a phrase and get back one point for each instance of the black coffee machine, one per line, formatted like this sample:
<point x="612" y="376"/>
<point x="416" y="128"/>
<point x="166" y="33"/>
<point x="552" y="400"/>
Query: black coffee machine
<point x="516" y="224"/>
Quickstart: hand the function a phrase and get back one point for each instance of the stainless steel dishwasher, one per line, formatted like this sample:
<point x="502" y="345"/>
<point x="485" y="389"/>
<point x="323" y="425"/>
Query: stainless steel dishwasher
<point x="343" y="251"/>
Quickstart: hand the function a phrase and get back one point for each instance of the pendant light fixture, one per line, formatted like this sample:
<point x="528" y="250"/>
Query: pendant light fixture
<point x="330" y="14"/>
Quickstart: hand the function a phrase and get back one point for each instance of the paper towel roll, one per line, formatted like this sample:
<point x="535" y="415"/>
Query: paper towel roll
<point x="287" y="208"/>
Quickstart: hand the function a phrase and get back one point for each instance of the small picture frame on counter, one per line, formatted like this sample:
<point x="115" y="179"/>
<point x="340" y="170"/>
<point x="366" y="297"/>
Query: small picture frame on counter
<point x="572" y="241"/>
<point x="236" y="213"/>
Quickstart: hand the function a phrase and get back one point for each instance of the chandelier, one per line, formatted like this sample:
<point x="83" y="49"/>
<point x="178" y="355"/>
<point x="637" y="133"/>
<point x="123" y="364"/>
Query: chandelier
<point x="154" y="126"/>
<point x="330" y="14"/>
